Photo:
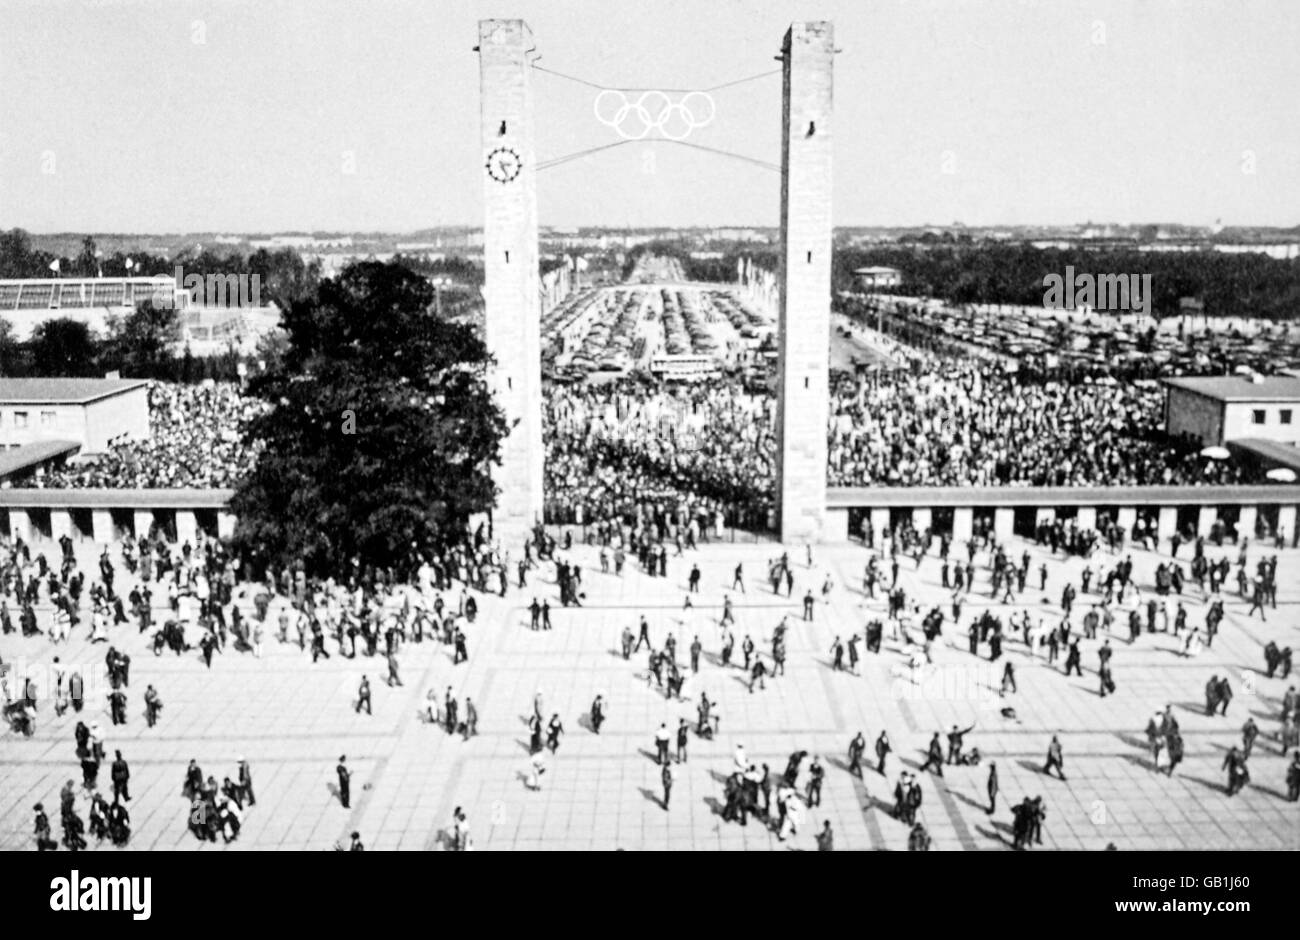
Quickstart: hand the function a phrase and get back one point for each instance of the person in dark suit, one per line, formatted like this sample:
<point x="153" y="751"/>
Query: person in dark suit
<point x="363" y="696"/>
<point x="345" y="782"/>
<point x="935" y="756"/>
<point x="993" y="787"/>
<point x="121" y="776"/>
<point x="246" y="783"/>
<point x="883" y="748"/>
<point x="44" y="840"/>
<point x="1055" y="758"/>
<point x="856" y="747"/>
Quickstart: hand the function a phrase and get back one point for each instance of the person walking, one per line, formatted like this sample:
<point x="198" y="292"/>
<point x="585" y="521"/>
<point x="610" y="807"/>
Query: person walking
<point x="1155" y="738"/>
<point x="553" y="731"/>
<point x="471" y="719"/>
<point x="662" y="738"/>
<point x="1055" y="758"/>
<point x="120" y="774"/>
<point x="363" y="696"/>
<point x="992" y="787"/>
<point x="935" y="756"/>
<point x="246" y="783"/>
<point x="666" y="775"/>
<point x="345" y="782"/>
<point x="1174" y="740"/>
<point x="856" y="747"/>
<point x="1249" y="732"/>
<point x="826" y="838"/>
<point x="883" y="748"/>
<point x="816" y="775"/>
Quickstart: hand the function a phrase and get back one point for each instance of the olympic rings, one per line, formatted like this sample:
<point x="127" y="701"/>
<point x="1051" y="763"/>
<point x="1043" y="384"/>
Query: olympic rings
<point x="654" y="110"/>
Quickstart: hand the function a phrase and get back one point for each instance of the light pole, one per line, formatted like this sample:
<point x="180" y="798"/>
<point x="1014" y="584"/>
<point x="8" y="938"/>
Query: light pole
<point x="438" y="284"/>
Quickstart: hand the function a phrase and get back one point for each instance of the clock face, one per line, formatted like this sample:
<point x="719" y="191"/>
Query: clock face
<point x="503" y="164"/>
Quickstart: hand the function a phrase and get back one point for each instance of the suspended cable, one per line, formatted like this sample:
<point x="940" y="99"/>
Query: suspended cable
<point x="590" y="84"/>
<point x="547" y="164"/>
<point x="741" y="81"/>
<point x="725" y="153"/>
<point x="580" y="81"/>
<point x="557" y="161"/>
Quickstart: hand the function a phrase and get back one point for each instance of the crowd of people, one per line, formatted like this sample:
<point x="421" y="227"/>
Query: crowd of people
<point x="613" y="449"/>
<point x="196" y="440"/>
<point x="710" y="449"/>
<point x="944" y="421"/>
<point x="935" y="421"/>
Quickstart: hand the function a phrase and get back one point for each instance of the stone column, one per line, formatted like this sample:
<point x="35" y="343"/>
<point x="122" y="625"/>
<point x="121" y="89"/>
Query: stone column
<point x="922" y="519"/>
<point x="20" y="525"/>
<point x="805" y="277"/>
<point x="1286" y="523"/>
<point x="101" y="525"/>
<point x="1205" y="519"/>
<point x="143" y="522"/>
<point x="60" y="523"/>
<point x="1167" y="523"/>
<point x="963" y="518"/>
<point x="1087" y="518"/>
<point x="225" y="524"/>
<point x="1045" y="515"/>
<point x="879" y="523"/>
<point x="1125" y="516"/>
<point x="1246" y="522"/>
<point x="1004" y="521"/>
<point x="187" y="527"/>
<point x="512" y="282"/>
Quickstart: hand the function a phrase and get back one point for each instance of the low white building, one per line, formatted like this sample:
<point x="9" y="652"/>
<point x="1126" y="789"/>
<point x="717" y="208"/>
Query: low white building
<point x="1219" y="409"/>
<point x="876" y="276"/>
<point x="92" y="414"/>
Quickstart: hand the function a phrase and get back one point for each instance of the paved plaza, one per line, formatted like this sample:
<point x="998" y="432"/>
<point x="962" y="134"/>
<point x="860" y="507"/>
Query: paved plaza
<point x="293" y="720"/>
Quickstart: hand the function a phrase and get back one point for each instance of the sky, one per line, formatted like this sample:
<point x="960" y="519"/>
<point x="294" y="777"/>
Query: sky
<point x="278" y="115"/>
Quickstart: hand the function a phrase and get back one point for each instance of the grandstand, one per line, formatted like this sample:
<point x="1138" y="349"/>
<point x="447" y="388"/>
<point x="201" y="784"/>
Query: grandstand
<point x="29" y="302"/>
<point x="80" y="292"/>
<point x="206" y="329"/>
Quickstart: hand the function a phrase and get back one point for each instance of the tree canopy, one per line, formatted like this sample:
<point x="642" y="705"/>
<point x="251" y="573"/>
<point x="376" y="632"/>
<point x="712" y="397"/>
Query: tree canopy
<point x="64" y="347"/>
<point x="381" y="431"/>
<point x="142" y="340"/>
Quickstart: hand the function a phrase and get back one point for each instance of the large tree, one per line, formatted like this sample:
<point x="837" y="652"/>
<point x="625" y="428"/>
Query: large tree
<point x="381" y="428"/>
<point x="64" y="347"/>
<point x="141" y="342"/>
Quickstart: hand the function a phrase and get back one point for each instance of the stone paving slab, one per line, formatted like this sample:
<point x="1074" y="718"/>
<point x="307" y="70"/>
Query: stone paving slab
<point x="292" y="720"/>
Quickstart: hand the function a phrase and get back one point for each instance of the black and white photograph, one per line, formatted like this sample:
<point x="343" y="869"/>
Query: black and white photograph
<point x="662" y="426"/>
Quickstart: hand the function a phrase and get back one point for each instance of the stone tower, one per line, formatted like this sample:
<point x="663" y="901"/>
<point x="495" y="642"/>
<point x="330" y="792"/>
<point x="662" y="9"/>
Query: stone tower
<point x="805" y="281"/>
<point x="512" y="283"/>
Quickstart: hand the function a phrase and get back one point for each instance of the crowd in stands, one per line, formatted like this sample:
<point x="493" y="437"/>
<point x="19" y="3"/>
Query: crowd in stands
<point x="947" y="421"/>
<point x="195" y="441"/>
<point x="710" y="449"/>
<point x="620" y="450"/>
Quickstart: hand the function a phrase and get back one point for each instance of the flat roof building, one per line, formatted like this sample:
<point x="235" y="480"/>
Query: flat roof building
<point x="1219" y="409"/>
<point x="85" y="416"/>
<point x="876" y="276"/>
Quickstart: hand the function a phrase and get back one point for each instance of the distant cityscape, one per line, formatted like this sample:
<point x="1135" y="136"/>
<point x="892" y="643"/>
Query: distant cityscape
<point x="334" y="249"/>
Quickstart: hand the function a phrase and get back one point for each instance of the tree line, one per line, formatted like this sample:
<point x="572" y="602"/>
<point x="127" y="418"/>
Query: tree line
<point x="141" y="344"/>
<point x="1229" y="285"/>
